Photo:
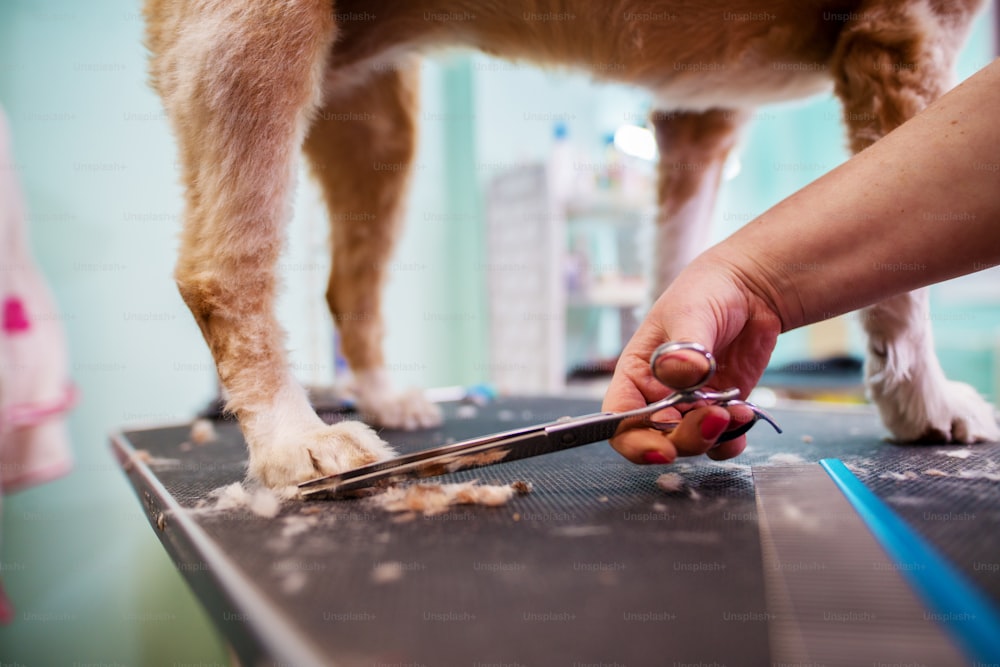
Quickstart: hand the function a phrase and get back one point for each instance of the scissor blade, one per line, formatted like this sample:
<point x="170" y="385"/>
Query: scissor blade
<point x="430" y="463"/>
<point x="475" y="453"/>
<point x="417" y="457"/>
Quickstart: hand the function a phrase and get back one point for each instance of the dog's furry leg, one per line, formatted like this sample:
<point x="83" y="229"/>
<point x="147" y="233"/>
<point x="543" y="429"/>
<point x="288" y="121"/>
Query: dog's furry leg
<point x="889" y="65"/>
<point x="361" y="146"/>
<point x="693" y="147"/>
<point x="239" y="82"/>
<point x="905" y="380"/>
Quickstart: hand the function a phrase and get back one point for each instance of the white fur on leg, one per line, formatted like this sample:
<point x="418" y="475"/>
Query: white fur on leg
<point x="290" y="444"/>
<point x="906" y="382"/>
<point x="379" y="403"/>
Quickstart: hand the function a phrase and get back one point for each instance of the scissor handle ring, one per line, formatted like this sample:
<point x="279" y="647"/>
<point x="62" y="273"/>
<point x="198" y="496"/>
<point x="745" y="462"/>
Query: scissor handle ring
<point x="676" y="346"/>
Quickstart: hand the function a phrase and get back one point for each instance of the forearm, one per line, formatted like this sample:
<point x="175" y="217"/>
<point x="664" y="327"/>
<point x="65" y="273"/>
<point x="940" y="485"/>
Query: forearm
<point x="920" y="206"/>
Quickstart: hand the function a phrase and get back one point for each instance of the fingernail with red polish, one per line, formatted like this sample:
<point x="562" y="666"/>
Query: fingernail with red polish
<point x="713" y="425"/>
<point x="653" y="456"/>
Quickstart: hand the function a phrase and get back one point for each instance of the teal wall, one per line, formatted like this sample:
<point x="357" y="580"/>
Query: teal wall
<point x="89" y="580"/>
<point x="97" y="162"/>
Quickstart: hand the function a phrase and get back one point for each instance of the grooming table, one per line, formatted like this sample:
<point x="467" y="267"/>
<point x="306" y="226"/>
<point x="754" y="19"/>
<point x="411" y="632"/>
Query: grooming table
<point x="596" y="566"/>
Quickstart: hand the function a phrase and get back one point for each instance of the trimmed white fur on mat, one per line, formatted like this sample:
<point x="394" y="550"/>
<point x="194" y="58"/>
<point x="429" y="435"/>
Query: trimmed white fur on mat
<point x="203" y="432"/>
<point x="785" y="458"/>
<point x="671" y="482"/>
<point x="431" y="499"/>
<point x="389" y="571"/>
<point x="955" y="453"/>
<point x="260" y="500"/>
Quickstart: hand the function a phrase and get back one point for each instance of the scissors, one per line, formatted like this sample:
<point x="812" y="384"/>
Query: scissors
<point x="564" y="433"/>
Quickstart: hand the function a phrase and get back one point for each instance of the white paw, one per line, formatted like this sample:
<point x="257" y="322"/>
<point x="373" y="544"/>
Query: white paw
<point x="917" y="402"/>
<point x="301" y="454"/>
<point x="925" y="406"/>
<point x="380" y="404"/>
<point x="408" y="410"/>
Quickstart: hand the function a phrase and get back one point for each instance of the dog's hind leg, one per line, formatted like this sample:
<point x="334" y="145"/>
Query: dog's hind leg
<point x="239" y="82"/>
<point x="361" y="146"/>
<point x="890" y="63"/>
<point x="693" y="147"/>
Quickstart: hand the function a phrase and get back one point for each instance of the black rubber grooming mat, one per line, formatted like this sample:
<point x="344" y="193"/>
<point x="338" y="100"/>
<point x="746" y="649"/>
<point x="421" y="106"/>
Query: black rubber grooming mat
<point x="596" y="566"/>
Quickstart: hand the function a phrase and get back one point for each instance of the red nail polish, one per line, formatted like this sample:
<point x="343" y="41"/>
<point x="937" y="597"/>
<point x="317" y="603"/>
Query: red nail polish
<point x="653" y="456"/>
<point x="713" y="425"/>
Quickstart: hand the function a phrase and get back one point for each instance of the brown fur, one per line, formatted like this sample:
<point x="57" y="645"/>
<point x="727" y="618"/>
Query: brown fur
<point x="240" y="114"/>
<point x="245" y="84"/>
<point x="371" y="184"/>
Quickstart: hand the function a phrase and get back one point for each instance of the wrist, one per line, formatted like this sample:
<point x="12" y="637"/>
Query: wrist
<point x="767" y="282"/>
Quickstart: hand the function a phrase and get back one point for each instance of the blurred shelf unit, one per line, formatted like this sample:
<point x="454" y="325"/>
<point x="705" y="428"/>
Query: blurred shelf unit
<point x="568" y="279"/>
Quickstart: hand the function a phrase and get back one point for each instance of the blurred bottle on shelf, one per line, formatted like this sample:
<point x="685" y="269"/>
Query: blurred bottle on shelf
<point x="560" y="167"/>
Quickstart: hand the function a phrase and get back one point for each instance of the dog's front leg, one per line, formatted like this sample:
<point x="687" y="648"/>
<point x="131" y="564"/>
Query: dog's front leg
<point x="361" y="148"/>
<point x="915" y="399"/>
<point x="891" y="62"/>
<point x="239" y="84"/>
<point x="693" y="147"/>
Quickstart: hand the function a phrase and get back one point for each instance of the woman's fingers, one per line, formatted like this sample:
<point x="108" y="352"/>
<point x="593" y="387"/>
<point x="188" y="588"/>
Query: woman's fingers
<point x="645" y="445"/>
<point x="700" y="429"/>
<point x="728" y="450"/>
<point x="698" y="432"/>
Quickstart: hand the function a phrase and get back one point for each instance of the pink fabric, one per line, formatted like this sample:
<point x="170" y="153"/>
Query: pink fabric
<point x="35" y="390"/>
<point x="15" y="320"/>
<point x="33" y="414"/>
<point x="6" y="609"/>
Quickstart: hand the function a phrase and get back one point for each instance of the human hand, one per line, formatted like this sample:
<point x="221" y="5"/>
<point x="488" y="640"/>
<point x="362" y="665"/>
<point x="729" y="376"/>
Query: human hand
<point x="720" y="307"/>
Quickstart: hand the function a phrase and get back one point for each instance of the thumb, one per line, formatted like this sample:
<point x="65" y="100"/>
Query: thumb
<point x="682" y="365"/>
<point x="684" y="315"/>
<point x="634" y="384"/>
